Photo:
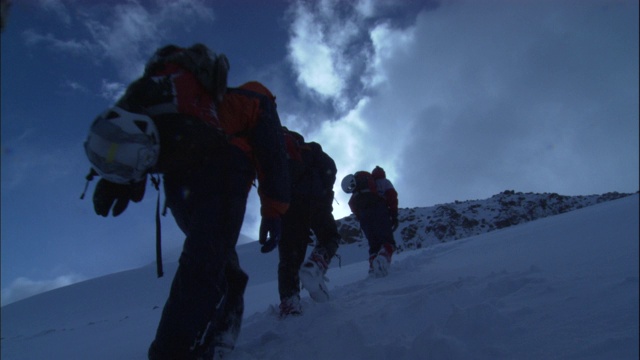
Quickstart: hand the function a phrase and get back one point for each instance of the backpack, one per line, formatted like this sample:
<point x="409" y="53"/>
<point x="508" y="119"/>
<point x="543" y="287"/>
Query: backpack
<point x="323" y="171"/>
<point x="292" y="142"/>
<point x="296" y="159"/>
<point x="181" y="89"/>
<point x="324" y="165"/>
<point x="365" y="182"/>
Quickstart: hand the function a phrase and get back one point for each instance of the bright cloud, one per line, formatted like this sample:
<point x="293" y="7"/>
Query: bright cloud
<point x="312" y="56"/>
<point x="448" y="110"/>
<point x="330" y="49"/>
<point x="375" y="116"/>
<point x="388" y="43"/>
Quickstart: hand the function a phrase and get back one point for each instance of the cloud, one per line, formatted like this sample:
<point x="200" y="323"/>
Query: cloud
<point x="329" y="49"/>
<point x="73" y="46"/>
<point x="57" y="7"/>
<point x="125" y="40"/>
<point x="75" y="86"/>
<point x="341" y="42"/>
<point x="134" y="31"/>
<point x="22" y="288"/>
<point x="474" y="98"/>
<point x="125" y="33"/>
<point x="313" y="59"/>
<point x="112" y="90"/>
<point x="185" y="13"/>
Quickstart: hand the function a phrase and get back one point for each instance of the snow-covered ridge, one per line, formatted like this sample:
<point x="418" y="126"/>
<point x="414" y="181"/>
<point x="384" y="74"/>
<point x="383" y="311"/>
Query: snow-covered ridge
<point x="423" y="226"/>
<point x="563" y="287"/>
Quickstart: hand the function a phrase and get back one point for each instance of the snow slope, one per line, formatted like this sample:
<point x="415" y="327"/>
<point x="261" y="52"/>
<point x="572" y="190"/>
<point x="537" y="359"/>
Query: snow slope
<point x="561" y="287"/>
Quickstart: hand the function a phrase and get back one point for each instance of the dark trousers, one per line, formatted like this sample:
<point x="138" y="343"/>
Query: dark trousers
<point x="375" y="221"/>
<point x="293" y="246"/>
<point x="206" y="298"/>
<point x="305" y="214"/>
<point x="324" y="225"/>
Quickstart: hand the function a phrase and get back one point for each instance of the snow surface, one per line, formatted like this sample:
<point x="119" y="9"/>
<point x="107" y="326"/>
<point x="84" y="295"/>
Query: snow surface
<point x="562" y="287"/>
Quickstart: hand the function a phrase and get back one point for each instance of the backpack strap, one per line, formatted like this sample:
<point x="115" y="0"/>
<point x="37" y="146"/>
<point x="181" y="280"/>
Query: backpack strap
<point x="159" y="270"/>
<point x="92" y="173"/>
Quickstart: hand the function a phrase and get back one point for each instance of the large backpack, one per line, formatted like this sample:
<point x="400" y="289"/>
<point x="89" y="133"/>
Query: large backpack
<point x="364" y="182"/>
<point x="324" y="165"/>
<point x="181" y="89"/>
<point x="296" y="158"/>
<point x="323" y="170"/>
<point x="365" y="194"/>
<point x="293" y="142"/>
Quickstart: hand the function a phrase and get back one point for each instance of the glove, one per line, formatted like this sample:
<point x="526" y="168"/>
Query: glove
<point x="273" y="228"/>
<point x="394" y="223"/>
<point x="107" y="193"/>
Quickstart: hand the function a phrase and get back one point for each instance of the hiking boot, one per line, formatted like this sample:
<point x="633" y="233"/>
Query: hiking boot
<point x="379" y="263"/>
<point x="312" y="276"/>
<point x="290" y="306"/>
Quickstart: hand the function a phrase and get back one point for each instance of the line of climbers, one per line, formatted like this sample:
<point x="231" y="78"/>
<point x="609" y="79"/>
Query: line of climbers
<point x="209" y="142"/>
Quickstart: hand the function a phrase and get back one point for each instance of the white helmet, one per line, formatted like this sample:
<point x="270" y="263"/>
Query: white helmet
<point x="122" y="146"/>
<point x="348" y="184"/>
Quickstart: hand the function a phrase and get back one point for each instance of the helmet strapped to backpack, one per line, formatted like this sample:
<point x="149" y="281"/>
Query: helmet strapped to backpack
<point x="348" y="184"/>
<point x="122" y="146"/>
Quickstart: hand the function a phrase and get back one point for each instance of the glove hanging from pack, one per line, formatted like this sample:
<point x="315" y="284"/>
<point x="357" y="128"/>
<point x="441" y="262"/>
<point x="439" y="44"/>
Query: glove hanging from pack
<point x="109" y="196"/>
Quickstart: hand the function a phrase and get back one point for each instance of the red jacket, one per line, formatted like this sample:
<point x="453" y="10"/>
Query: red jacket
<point x="247" y="114"/>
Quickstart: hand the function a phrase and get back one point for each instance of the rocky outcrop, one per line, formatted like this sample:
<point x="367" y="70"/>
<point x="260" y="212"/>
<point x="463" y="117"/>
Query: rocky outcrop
<point x="420" y="227"/>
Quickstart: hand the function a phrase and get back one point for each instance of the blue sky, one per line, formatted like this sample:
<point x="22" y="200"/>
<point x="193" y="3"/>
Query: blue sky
<point x="456" y="99"/>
